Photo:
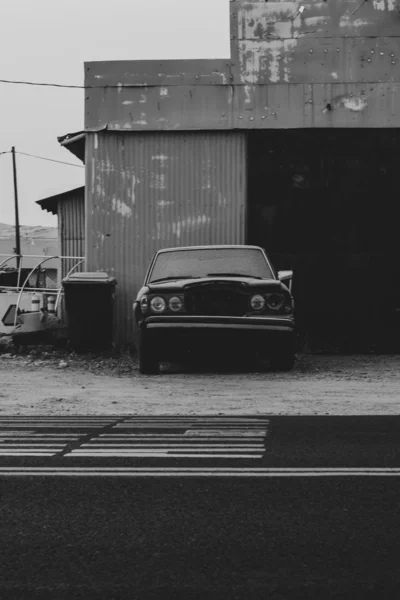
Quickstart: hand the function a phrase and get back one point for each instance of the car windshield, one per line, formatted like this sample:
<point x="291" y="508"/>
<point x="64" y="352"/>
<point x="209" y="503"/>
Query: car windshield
<point x="207" y="262"/>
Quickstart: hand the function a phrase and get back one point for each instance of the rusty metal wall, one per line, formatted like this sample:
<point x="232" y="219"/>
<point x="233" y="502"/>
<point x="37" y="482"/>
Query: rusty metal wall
<point x="71" y="224"/>
<point x="146" y="191"/>
<point x="293" y="64"/>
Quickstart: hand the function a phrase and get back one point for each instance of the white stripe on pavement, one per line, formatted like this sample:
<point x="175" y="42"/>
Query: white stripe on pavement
<point x="196" y="472"/>
<point x="157" y="455"/>
<point x="110" y="444"/>
<point x="171" y="437"/>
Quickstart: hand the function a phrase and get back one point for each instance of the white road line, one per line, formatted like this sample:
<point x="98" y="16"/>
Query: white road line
<point x="193" y="472"/>
<point x="207" y="423"/>
<point x="200" y="422"/>
<point x="27" y="438"/>
<point x="195" y="449"/>
<point x="194" y="420"/>
<point x="50" y="422"/>
<point x="76" y="453"/>
<point x="52" y="426"/>
<point x="284" y="470"/>
<point x="162" y="445"/>
<point x="183" y="438"/>
<point x="31" y="445"/>
<point x="28" y="453"/>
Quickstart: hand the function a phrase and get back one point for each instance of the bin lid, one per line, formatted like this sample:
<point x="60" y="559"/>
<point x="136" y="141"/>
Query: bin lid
<point x="99" y="277"/>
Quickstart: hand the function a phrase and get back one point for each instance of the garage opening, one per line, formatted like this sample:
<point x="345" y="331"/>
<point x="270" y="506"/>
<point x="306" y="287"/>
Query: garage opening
<point x="325" y="203"/>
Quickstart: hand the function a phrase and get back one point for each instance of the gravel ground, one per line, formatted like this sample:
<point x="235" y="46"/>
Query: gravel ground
<point x="58" y="383"/>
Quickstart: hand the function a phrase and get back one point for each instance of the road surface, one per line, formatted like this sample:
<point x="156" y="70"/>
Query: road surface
<point x="197" y="507"/>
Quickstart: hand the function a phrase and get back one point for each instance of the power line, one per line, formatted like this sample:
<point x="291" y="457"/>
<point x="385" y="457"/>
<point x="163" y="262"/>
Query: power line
<point x="74" y="87"/>
<point x="61" y="162"/>
<point x="6" y="152"/>
<point x="80" y="87"/>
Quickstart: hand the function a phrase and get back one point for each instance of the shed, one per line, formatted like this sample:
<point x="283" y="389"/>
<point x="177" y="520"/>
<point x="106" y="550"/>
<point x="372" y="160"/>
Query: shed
<point x="69" y="207"/>
<point x="291" y="143"/>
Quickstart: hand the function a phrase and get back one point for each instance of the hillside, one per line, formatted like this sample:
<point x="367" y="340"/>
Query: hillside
<point x="7" y="232"/>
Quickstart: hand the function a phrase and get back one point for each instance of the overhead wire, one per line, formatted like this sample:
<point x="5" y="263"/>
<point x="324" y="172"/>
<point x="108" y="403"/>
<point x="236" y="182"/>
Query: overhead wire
<point x="67" y="86"/>
<point x="61" y="162"/>
<point x="41" y="84"/>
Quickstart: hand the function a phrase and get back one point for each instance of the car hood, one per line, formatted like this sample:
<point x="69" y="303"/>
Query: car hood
<point x="240" y="282"/>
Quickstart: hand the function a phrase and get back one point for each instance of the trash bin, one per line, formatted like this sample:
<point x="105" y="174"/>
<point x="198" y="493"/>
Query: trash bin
<point x="89" y="307"/>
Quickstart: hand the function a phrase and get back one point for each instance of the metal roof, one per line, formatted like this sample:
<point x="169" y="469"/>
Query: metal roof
<point x="51" y="203"/>
<point x="75" y="143"/>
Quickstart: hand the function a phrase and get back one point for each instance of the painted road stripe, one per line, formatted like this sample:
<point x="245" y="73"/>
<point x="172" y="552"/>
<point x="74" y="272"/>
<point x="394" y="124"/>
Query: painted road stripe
<point x="213" y="469"/>
<point x="90" y="448"/>
<point x="48" y="426"/>
<point x="49" y="421"/>
<point x="156" y="455"/>
<point x="183" y="444"/>
<point x="28" y="453"/>
<point x="31" y="445"/>
<point x="212" y="424"/>
<point x="238" y="424"/>
<point x="196" y="419"/>
<point x="26" y="438"/>
<point x="170" y="437"/>
<point x="193" y="472"/>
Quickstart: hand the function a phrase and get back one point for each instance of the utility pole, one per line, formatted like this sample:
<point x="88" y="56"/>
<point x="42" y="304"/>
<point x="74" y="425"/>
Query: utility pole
<point x="17" y="231"/>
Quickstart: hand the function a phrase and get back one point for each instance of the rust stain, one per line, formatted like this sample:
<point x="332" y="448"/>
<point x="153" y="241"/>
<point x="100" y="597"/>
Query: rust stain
<point x="351" y="103"/>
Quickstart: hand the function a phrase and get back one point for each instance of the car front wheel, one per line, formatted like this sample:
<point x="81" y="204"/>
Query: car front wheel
<point x="283" y="360"/>
<point x="148" y="358"/>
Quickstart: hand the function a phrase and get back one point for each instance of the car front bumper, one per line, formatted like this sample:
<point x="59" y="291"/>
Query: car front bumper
<point x="185" y="330"/>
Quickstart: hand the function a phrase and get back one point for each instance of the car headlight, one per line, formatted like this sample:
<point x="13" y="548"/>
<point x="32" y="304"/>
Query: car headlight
<point x="175" y="304"/>
<point x="158" y="304"/>
<point x="257" y="302"/>
<point x="275" y="301"/>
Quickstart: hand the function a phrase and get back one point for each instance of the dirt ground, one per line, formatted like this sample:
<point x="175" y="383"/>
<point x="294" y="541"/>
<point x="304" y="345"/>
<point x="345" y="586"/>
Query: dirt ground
<point x="66" y="384"/>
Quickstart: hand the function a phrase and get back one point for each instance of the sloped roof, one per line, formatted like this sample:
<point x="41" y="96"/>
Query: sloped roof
<point x="51" y="203"/>
<point x="75" y="143"/>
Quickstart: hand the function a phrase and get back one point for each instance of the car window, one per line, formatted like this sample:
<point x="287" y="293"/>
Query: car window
<point x="203" y="262"/>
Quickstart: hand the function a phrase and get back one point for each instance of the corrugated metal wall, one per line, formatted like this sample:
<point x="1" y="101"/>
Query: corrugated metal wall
<point x="146" y="191"/>
<point x="71" y="223"/>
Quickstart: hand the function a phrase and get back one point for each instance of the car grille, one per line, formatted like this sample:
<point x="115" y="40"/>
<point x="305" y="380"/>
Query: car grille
<point x="216" y="302"/>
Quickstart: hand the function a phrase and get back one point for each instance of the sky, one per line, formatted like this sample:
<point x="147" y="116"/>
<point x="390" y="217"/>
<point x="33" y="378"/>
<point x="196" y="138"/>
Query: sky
<point x="48" y="41"/>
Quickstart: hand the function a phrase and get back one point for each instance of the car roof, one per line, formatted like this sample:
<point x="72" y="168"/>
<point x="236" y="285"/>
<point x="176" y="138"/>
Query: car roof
<point x="209" y="247"/>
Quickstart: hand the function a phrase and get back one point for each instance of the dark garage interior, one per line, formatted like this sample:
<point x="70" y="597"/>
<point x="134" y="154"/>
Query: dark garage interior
<point x="325" y="204"/>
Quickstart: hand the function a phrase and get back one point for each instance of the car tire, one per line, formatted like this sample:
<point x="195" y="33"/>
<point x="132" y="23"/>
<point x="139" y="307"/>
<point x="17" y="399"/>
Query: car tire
<point x="283" y="360"/>
<point x="148" y="359"/>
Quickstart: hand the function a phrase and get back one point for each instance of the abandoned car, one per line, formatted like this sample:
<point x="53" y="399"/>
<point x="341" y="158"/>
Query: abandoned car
<point x="214" y="296"/>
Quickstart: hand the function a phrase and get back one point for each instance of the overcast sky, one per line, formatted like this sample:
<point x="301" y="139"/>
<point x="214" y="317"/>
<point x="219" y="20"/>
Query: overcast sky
<point x="49" y="40"/>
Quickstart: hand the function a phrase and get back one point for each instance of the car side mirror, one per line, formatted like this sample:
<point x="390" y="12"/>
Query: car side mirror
<point x="286" y="278"/>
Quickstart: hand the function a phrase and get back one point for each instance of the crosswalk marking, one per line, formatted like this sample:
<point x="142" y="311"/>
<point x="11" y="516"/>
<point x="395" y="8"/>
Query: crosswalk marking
<point x="186" y="437"/>
<point x="201" y="437"/>
<point x="46" y="436"/>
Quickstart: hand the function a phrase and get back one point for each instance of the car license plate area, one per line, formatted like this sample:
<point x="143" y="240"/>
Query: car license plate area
<point x="217" y="302"/>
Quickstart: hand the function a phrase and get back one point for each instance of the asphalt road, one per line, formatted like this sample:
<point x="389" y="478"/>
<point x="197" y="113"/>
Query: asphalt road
<point x="290" y="522"/>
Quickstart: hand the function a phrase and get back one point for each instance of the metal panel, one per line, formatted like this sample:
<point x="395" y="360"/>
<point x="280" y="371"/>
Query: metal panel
<point x="319" y="60"/>
<point x="309" y="50"/>
<point x="278" y="106"/>
<point x="71" y="219"/>
<point x="153" y="72"/>
<point x="341" y="18"/>
<point x="146" y="191"/>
